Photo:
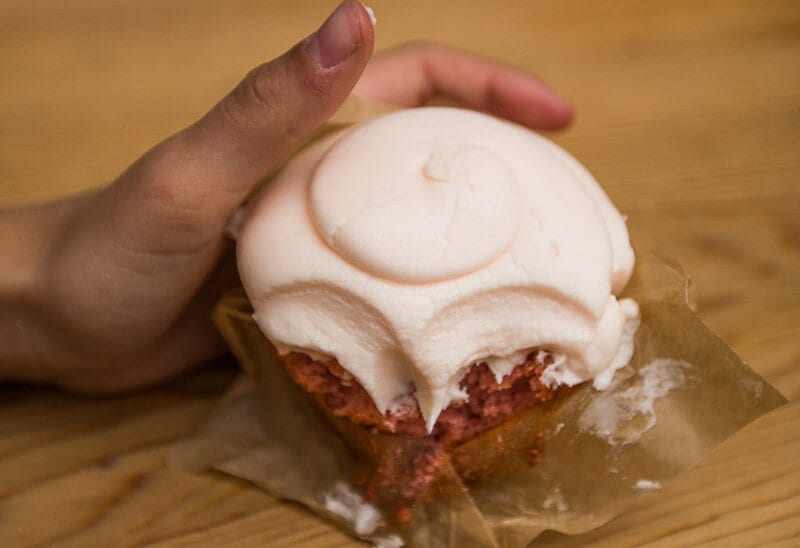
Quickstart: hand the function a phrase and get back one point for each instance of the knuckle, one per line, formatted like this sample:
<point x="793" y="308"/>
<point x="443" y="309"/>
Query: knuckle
<point x="173" y="216"/>
<point x="263" y="98"/>
<point x="263" y="86"/>
<point x="261" y="91"/>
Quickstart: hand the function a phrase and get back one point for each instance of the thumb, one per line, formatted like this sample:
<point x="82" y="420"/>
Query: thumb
<point x="186" y="188"/>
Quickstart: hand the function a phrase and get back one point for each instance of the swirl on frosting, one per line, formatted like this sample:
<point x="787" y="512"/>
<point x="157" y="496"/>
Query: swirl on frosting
<point x="439" y="215"/>
<point x="426" y="240"/>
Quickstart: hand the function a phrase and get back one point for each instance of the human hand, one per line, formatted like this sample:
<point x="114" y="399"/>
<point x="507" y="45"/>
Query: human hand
<point x="112" y="290"/>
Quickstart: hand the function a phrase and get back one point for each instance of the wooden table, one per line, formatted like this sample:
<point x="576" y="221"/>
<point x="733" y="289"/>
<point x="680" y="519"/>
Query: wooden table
<point x="688" y="114"/>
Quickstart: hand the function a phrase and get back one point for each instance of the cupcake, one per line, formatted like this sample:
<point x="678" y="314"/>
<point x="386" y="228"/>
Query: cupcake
<point x="428" y="277"/>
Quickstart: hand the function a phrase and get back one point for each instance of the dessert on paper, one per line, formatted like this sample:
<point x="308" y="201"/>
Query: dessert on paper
<point x="441" y="326"/>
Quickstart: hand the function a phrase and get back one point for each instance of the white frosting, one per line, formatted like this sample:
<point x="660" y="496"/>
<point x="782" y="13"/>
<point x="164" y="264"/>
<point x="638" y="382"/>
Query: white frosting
<point x="343" y="501"/>
<point x="647" y="485"/>
<point x="623" y="413"/>
<point x="371" y="13"/>
<point x="423" y="241"/>
<point x="453" y="214"/>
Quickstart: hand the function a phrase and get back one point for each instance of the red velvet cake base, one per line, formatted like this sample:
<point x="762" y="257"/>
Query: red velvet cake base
<point x="488" y="405"/>
<point x="471" y="439"/>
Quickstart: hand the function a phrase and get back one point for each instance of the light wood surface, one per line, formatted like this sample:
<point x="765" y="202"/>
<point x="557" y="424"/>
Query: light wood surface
<point x="687" y="114"/>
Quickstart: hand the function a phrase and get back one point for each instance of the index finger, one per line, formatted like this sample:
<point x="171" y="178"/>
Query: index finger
<point x="414" y="74"/>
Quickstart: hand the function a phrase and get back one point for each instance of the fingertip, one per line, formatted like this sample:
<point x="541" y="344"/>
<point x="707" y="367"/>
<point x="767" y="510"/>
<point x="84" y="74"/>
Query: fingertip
<point x="562" y="113"/>
<point x="344" y="37"/>
<point x="366" y="42"/>
<point x="529" y="102"/>
<point x="544" y="109"/>
<point x="367" y="21"/>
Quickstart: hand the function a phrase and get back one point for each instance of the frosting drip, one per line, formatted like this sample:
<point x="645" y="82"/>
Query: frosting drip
<point x="426" y="240"/>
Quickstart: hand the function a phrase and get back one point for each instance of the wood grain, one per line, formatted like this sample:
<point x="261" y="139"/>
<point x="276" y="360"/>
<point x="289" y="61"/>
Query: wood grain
<point x="687" y="114"/>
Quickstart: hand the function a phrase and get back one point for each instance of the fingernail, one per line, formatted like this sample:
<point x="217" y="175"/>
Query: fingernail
<point x="338" y="37"/>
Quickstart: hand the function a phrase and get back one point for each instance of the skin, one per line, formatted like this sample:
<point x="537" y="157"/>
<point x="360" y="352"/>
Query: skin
<point x="111" y="290"/>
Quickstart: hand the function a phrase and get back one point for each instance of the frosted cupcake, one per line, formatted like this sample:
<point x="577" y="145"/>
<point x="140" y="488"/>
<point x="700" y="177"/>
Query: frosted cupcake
<point x="433" y="273"/>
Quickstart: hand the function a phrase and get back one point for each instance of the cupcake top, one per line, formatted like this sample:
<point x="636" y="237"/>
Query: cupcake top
<point x="426" y="240"/>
